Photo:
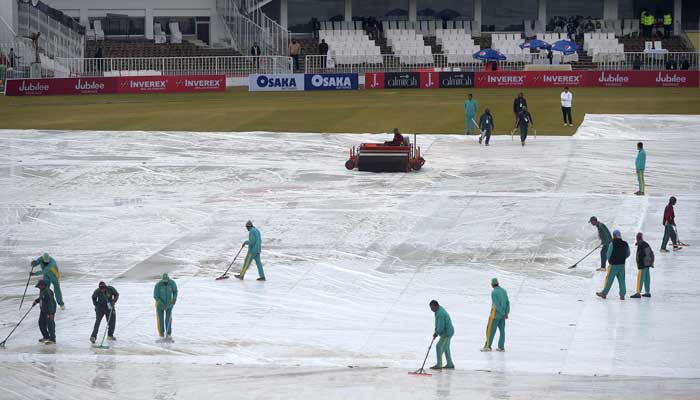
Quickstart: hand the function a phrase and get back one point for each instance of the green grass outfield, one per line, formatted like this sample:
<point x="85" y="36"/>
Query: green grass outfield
<point x="424" y="111"/>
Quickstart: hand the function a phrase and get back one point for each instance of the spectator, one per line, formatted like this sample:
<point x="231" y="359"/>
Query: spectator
<point x="668" y="24"/>
<point x="685" y="65"/>
<point x="98" y="52"/>
<point x="294" y="50"/>
<point x="315" y="27"/>
<point x="671" y="64"/>
<point x="550" y="56"/>
<point x="566" y="98"/>
<point x="255" y="52"/>
<point x="323" y="49"/>
<point x="11" y="57"/>
<point x="637" y="64"/>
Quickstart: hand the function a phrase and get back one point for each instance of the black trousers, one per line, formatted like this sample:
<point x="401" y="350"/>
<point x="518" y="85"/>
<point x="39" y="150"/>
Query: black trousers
<point x="111" y="323"/>
<point x="523" y="133"/>
<point x="603" y="255"/>
<point x="487" y="135"/>
<point x="47" y="326"/>
<point x="566" y="112"/>
<point x="295" y="58"/>
<point x="323" y="60"/>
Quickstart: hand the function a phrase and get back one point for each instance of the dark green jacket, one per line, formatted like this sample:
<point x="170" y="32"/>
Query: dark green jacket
<point x="100" y="299"/>
<point x="604" y="234"/>
<point x="47" y="302"/>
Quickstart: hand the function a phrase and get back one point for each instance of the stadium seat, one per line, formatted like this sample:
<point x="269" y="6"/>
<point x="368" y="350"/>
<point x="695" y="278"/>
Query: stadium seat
<point x="158" y="34"/>
<point x="99" y="33"/>
<point x="175" y="35"/>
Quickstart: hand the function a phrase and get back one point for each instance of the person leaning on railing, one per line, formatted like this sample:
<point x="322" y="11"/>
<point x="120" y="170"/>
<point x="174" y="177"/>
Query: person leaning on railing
<point x="294" y="50"/>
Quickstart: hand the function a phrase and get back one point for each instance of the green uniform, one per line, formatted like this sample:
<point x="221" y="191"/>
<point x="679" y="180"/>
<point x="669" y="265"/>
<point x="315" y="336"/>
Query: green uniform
<point x="444" y="329"/>
<point x="470" y="107"/>
<point x="254" y="244"/>
<point x="617" y="255"/>
<point x="165" y="294"/>
<point x="605" y="239"/>
<point x="500" y="308"/>
<point x="639" y="164"/>
<point x="51" y="276"/>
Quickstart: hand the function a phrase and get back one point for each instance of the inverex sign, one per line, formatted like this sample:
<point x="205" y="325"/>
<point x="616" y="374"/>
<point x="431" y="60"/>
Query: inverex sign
<point x="115" y="85"/>
<point x="275" y="82"/>
<point x="331" y="81"/>
<point x="556" y="78"/>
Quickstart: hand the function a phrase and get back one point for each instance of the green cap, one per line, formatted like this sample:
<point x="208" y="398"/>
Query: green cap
<point x="165" y="277"/>
<point x="45" y="257"/>
<point x="494" y="282"/>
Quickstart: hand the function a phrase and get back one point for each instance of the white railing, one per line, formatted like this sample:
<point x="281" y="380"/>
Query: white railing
<point x="252" y="5"/>
<point x="56" y="40"/>
<point x="247" y="28"/>
<point x="231" y="66"/>
<point x="7" y="34"/>
<point x="648" y="61"/>
<point x="402" y="63"/>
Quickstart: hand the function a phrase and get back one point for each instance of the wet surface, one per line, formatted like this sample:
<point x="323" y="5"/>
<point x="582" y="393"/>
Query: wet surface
<point x="352" y="260"/>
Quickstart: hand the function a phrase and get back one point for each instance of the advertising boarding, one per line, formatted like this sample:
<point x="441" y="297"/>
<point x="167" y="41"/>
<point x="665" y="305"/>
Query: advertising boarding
<point x="115" y="85"/>
<point x="331" y="82"/>
<point x="275" y="82"/>
<point x="456" y="80"/>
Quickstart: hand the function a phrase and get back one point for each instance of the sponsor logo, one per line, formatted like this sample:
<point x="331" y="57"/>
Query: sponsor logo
<point x="670" y="78"/>
<point x="338" y="82"/>
<point x="430" y="83"/>
<point x="408" y="80"/>
<point x="283" y="83"/>
<point x="456" y="80"/>
<point x="506" y="80"/>
<point x="615" y="79"/>
<point x="84" y="85"/>
<point x="375" y="82"/>
<point x="561" y="79"/>
<point x="158" y="84"/>
<point x="33" y="87"/>
<point x="203" y="83"/>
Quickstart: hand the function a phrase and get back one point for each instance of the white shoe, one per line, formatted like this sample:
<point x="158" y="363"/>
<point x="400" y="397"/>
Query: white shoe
<point x="501" y="350"/>
<point x="566" y="124"/>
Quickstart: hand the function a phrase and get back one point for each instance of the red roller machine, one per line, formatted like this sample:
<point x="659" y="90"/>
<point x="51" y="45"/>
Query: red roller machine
<point x="378" y="157"/>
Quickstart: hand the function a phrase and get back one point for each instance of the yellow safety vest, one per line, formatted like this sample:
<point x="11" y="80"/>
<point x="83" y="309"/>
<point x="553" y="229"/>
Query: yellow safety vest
<point x="650" y="20"/>
<point x="668" y="20"/>
<point x="643" y="18"/>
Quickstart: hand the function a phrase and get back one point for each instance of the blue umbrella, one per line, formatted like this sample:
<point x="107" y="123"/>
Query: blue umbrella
<point x="565" y="46"/>
<point x="448" y="13"/>
<point x="397" y="12"/>
<point x="535" y="44"/>
<point x="489" y="55"/>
